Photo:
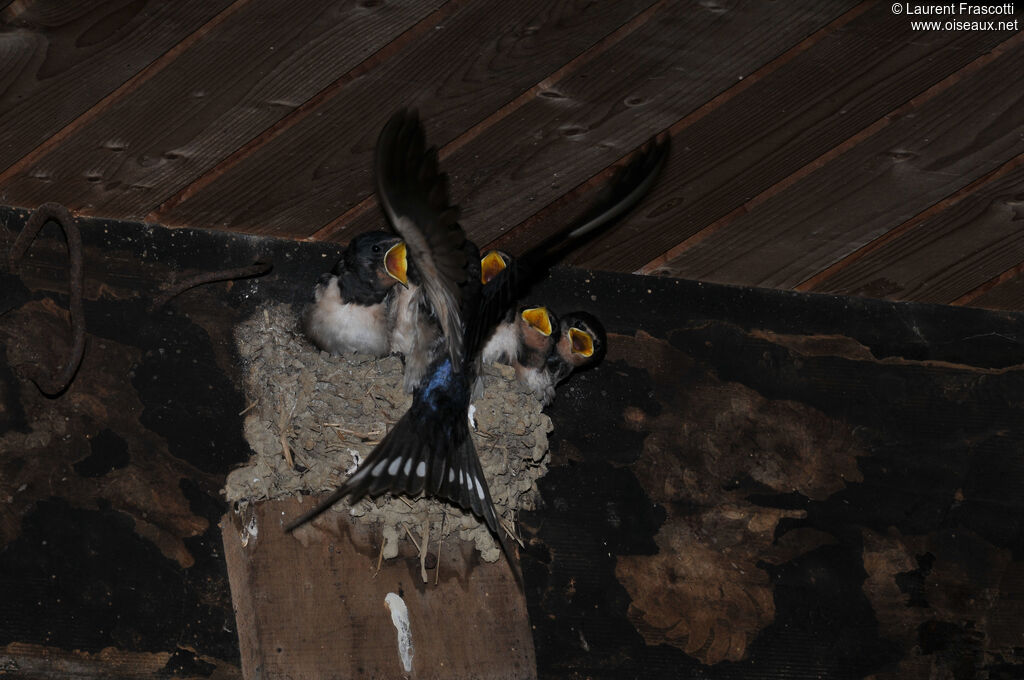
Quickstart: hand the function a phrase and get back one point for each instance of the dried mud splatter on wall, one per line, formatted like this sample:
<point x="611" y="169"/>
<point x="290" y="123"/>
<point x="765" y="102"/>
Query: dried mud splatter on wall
<point x="328" y="413"/>
<point x="706" y="452"/>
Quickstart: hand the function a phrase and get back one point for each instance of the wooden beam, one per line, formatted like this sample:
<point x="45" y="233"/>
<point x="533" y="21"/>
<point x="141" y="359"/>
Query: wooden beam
<point x="926" y="150"/>
<point x="312" y="604"/>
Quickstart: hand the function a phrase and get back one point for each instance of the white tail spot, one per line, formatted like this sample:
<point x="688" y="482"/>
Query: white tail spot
<point x="421" y="469"/>
<point x="393" y="468"/>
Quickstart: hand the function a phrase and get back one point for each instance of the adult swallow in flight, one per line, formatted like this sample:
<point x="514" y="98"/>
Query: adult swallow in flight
<point x="524" y="340"/>
<point x="581" y="342"/>
<point x="430" y="449"/>
<point x="349" y="309"/>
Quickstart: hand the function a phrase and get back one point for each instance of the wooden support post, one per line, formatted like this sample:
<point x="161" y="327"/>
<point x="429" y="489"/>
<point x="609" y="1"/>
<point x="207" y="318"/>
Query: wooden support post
<point x="312" y="604"/>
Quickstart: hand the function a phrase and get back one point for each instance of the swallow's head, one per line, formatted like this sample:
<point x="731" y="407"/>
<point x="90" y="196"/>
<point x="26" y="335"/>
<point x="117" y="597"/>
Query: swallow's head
<point x="492" y="264"/>
<point x="377" y="258"/>
<point x="536" y="325"/>
<point x="582" y="340"/>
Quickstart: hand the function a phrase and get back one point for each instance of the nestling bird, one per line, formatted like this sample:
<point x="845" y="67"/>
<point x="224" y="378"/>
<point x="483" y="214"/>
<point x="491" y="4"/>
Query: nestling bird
<point x="349" y="309"/>
<point x="523" y="340"/>
<point x="581" y="342"/>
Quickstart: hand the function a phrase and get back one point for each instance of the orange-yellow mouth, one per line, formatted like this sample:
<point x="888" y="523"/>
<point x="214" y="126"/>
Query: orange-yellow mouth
<point x="491" y="265"/>
<point x="539" y="319"/>
<point x="582" y="343"/>
<point x="396" y="264"/>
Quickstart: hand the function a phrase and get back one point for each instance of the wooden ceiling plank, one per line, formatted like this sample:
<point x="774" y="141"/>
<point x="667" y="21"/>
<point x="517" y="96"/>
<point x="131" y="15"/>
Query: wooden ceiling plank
<point x="480" y="58"/>
<point x="363" y="217"/>
<point x="598" y="114"/>
<point x="929" y="149"/>
<point x="60" y="59"/>
<point x="247" y="74"/>
<point x="1005" y="291"/>
<point x="944" y="253"/>
<point x="758" y="143"/>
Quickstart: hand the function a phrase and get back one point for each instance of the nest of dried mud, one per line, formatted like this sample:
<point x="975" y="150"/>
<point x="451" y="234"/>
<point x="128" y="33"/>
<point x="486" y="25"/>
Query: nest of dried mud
<point x="314" y="417"/>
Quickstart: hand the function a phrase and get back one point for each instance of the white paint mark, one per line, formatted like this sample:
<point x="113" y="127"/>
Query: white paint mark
<point x="400" y="617"/>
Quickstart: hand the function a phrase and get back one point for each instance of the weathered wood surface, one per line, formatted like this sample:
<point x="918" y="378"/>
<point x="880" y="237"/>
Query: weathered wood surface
<point x="956" y="245"/>
<point x="58" y="60"/>
<point x="260" y="116"/>
<point x="222" y="92"/>
<point x="783" y="118"/>
<point x="595" y="112"/>
<point x="930" y="148"/>
<point x="454" y="82"/>
<point x="312" y="605"/>
<point x="754" y="484"/>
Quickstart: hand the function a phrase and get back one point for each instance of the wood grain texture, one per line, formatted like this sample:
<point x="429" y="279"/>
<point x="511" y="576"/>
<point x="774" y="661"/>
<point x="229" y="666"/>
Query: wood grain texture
<point x="578" y="124"/>
<point x="947" y="254"/>
<point x="58" y="59"/>
<point x="850" y="77"/>
<point x="311" y="605"/>
<point x="455" y="82"/>
<point x="248" y="73"/>
<point x="1008" y="294"/>
<point x="918" y="155"/>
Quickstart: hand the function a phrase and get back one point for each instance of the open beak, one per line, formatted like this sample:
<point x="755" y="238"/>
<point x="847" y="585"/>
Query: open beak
<point x="539" y="318"/>
<point x="396" y="264"/>
<point x="490" y="266"/>
<point x="582" y="343"/>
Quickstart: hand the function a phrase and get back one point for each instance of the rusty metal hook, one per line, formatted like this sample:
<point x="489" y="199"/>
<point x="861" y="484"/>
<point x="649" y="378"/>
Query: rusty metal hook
<point x="54" y="385"/>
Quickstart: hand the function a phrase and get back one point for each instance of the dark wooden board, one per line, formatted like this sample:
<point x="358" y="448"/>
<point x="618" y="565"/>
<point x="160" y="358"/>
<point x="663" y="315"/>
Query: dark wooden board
<point x="1008" y="294"/>
<point x="311" y="605"/>
<point x="784" y="117"/>
<point x="455" y="82"/>
<point x="947" y="254"/>
<point x="770" y="484"/>
<point x="920" y="154"/>
<point x="263" y="63"/>
<point x="64" y="58"/>
<point x="592" y="115"/>
<point x="755" y="483"/>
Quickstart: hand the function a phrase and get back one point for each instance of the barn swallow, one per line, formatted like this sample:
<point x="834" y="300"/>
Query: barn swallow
<point x="581" y="343"/>
<point x="349" y="309"/>
<point x="430" y="448"/>
<point x="524" y="340"/>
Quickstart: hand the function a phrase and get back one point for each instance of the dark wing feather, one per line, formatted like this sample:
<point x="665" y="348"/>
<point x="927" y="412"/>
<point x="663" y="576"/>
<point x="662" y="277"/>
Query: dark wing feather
<point x="628" y="185"/>
<point x="414" y="196"/>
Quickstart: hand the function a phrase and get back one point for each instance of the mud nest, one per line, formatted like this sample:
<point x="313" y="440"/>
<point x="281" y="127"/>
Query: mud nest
<point x="314" y="417"/>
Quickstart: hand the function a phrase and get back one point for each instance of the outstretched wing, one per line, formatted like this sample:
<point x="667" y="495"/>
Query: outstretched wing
<point x="628" y="185"/>
<point x="414" y="196"/>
